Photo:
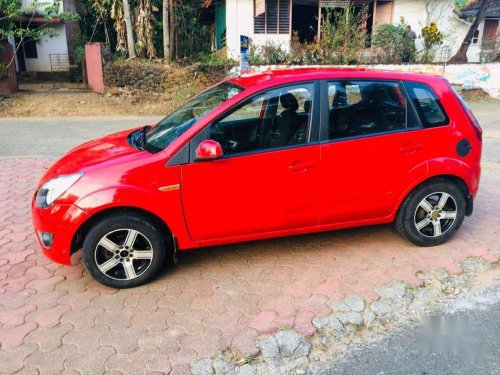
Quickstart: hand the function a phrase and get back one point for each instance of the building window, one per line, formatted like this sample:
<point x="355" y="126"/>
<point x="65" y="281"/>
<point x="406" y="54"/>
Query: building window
<point x="275" y="20"/>
<point x="475" y="37"/>
<point x="30" y="51"/>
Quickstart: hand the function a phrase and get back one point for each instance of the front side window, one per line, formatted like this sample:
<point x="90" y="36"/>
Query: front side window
<point x="428" y="106"/>
<point x="275" y="119"/>
<point x="175" y="124"/>
<point x="366" y="107"/>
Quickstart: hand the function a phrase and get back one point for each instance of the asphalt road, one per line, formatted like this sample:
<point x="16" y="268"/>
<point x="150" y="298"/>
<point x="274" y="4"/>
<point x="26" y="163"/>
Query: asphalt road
<point x="462" y="339"/>
<point x="52" y="137"/>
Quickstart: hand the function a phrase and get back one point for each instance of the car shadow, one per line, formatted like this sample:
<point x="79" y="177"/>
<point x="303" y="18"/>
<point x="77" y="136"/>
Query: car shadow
<point x="331" y="242"/>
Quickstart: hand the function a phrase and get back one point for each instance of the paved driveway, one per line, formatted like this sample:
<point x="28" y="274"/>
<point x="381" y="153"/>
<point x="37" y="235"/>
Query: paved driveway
<point x="56" y="319"/>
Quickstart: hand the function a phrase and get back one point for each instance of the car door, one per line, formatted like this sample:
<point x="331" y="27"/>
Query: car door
<point x="267" y="180"/>
<point x="371" y="150"/>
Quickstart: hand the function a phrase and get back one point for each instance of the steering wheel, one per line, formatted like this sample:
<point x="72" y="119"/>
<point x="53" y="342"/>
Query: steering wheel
<point x="216" y="132"/>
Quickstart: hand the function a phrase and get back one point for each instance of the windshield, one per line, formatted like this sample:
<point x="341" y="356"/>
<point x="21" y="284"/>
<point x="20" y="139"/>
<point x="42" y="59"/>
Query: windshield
<point x="175" y="124"/>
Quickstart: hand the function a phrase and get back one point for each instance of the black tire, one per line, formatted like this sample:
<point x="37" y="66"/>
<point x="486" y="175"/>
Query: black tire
<point x="125" y="271"/>
<point x="412" y="215"/>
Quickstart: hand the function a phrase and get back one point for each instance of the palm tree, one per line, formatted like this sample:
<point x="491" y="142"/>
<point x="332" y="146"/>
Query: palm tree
<point x="166" y="31"/>
<point x="171" y="52"/>
<point x="128" y="25"/>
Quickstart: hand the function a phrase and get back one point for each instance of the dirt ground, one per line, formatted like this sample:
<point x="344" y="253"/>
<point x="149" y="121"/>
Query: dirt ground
<point x="115" y="102"/>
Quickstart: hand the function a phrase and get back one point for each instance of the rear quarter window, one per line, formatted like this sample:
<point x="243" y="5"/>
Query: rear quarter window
<point x="427" y="104"/>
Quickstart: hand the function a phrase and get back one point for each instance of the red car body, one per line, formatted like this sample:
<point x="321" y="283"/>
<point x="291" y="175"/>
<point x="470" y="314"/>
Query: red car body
<point x="315" y="187"/>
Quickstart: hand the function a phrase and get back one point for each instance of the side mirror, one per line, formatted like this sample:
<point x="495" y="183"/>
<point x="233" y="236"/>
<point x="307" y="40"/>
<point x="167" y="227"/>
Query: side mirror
<point x="209" y="150"/>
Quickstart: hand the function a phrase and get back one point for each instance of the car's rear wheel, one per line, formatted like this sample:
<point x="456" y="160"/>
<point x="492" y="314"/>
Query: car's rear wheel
<point x="124" y="251"/>
<point x="432" y="213"/>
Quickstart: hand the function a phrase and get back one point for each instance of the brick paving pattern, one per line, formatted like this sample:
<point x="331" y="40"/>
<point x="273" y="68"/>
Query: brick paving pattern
<point x="56" y="319"/>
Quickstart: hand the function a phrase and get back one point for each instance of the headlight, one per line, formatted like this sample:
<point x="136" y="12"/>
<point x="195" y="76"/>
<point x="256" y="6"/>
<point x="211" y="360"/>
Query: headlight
<point x="54" y="188"/>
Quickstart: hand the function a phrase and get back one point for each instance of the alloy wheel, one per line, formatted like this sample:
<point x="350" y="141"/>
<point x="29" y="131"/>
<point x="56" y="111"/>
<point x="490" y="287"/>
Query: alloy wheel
<point x="123" y="254"/>
<point x="435" y="214"/>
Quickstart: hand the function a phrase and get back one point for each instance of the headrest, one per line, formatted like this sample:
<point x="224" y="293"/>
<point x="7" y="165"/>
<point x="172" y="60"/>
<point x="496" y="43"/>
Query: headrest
<point x="288" y="101"/>
<point x="339" y="99"/>
<point x="307" y="106"/>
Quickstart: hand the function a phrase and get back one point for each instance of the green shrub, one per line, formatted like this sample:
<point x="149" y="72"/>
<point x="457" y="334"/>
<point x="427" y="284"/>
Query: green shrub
<point x="212" y="59"/>
<point x="342" y="39"/>
<point x="390" y="42"/>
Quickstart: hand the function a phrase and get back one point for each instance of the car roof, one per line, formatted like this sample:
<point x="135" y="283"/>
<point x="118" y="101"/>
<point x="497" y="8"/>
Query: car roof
<point x="290" y="75"/>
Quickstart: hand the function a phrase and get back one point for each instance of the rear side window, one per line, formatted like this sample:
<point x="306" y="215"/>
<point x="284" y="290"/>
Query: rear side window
<point x="358" y="108"/>
<point x="429" y="109"/>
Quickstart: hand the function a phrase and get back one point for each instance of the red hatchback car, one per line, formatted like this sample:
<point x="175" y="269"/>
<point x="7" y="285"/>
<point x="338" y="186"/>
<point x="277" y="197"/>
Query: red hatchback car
<point x="265" y="155"/>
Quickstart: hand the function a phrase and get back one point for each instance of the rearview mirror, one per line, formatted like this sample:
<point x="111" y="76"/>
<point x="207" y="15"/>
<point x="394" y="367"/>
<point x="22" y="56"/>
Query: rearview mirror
<point x="209" y="150"/>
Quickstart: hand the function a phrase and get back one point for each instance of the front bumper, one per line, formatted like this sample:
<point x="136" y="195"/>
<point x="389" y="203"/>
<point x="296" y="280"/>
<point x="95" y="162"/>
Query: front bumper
<point x="61" y="220"/>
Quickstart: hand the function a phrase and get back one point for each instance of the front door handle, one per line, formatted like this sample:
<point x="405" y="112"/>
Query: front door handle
<point x="301" y="166"/>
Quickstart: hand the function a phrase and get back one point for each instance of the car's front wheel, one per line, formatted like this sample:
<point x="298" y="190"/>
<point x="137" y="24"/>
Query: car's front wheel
<point x="432" y="213"/>
<point x="124" y="251"/>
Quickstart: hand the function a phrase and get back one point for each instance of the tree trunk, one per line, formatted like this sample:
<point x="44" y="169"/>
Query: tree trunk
<point x="461" y="55"/>
<point x="166" y="31"/>
<point x="171" y="5"/>
<point x="128" y="25"/>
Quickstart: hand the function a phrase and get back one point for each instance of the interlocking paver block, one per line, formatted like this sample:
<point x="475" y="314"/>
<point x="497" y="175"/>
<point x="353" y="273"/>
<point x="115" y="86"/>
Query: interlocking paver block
<point x="12" y="360"/>
<point x="245" y="342"/>
<point x="205" y="343"/>
<point x="153" y="321"/>
<point x="159" y="364"/>
<point x="49" y="338"/>
<point x="124" y="341"/>
<point x="48" y="318"/>
<point x="12" y="337"/>
<point x="265" y="322"/>
<point x="82" y="319"/>
<point x="51" y="362"/>
<point x="46" y="301"/>
<point x="78" y="300"/>
<point x="133" y="363"/>
<point x="14" y="317"/>
<point x="164" y="342"/>
<point x="16" y="283"/>
<point x="116" y="320"/>
<point x="87" y="340"/>
<point x="45" y="285"/>
<point x="90" y="363"/>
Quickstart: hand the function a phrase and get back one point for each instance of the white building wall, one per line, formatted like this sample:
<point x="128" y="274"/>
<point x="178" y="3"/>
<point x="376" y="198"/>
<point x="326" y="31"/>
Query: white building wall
<point x="474" y="51"/>
<point x="239" y="21"/>
<point x="46" y="46"/>
<point x="11" y="42"/>
<point x="441" y="11"/>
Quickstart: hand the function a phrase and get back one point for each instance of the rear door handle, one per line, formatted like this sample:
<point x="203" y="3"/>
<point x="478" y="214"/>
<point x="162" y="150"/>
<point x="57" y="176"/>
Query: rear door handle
<point x="410" y="148"/>
<point x="301" y="166"/>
